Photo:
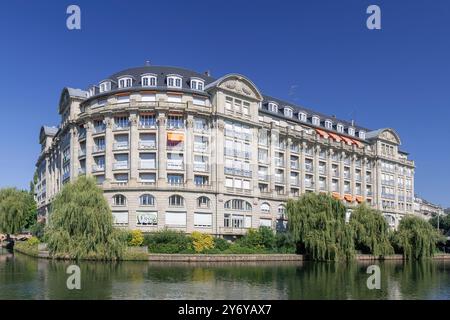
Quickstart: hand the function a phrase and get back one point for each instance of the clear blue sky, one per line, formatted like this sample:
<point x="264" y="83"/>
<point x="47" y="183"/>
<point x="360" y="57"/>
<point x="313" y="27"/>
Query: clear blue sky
<point x="316" y="53"/>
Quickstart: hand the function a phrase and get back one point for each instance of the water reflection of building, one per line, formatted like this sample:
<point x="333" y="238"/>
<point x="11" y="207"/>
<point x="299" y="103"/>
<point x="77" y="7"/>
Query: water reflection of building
<point x="175" y="148"/>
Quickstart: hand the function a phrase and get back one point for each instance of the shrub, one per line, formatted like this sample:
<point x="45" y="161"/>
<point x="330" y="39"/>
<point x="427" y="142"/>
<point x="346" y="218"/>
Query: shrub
<point x="33" y="241"/>
<point x="135" y="238"/>
<point x="258" y="238"/>
<point x="201" y="241"/>
<point x="168" y="241"/>
<point x="284" y="243"/>
<point x="38" y="230"/>
<point x="221" y="244"/>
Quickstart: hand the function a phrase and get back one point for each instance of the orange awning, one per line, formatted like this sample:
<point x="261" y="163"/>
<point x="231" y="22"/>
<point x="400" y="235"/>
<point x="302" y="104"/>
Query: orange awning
<point x="175" y="136"/>
<point x="336" y="195"/>
<point x="358" y="144"/>
<point x="347" y="140"/>
<point x="322" y="133"/>
<point x="359" y="199"/>
<point x="335" y="136"/>
<point x="348" y="197"/>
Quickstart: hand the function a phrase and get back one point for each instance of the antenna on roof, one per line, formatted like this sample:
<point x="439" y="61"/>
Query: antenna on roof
<point x="353" y="123"/>
<point x="147" y="63"/>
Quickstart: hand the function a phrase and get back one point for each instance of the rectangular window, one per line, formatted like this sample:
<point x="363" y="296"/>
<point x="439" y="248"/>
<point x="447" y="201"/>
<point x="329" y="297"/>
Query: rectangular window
<point x="176" y="218"/>
<point x="203" y="220"/>
<point x="265" y="223"/>
<point x="174" y="98"/>
<point x="120" y="217"/>
<point x="146" y="218"/>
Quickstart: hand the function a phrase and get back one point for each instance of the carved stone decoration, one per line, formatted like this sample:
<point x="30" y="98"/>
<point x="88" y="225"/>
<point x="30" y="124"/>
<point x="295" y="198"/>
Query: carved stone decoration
<point x="108" y="123"/>
<point x="133" y="120"/>
<point x="239" y="87"/>
<point x="190" y="123"/>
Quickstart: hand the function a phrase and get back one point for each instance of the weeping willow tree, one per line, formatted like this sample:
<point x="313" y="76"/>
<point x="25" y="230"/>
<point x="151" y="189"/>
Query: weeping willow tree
<point x="81" y="224"/>
<point x="417" y="238"/>
<point x="317" y="224"/>
<point x="14" y="210"/>
<point x="371" y="231"/>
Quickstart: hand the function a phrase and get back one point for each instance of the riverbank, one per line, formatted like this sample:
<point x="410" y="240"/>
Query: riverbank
<point x="137" y="254"/>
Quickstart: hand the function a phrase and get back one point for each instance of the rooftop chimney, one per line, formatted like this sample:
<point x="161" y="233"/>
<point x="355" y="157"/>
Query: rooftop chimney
<point x="353" y="123"/>
<point x="147" y="63"/>
<point x="207" y="73"/>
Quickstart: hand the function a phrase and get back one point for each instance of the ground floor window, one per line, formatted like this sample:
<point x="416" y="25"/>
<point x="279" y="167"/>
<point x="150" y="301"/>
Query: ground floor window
<point x="147" y="218"/>
<point x="203" y="219"/>
<point x="176" y="218"/>
<point x="120" y="217"/>
<point x="237" y="221"/>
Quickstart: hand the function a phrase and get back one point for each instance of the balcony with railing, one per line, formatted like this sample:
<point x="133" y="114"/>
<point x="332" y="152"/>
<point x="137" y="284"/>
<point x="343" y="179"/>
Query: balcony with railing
<point x="98" y="148"/>
<point x="263" y="176"/>
<point x="147" y="145"/>
<point x="175" y="146"/>
<point x="175" y="164"/>
<point x="388" y="196"/>
<point x="147" y="123"/>
<point x="322" y="170"/>
<point x="279" y="162"/>
<point x="279" y="179"/>
<point x="295" y="181"/>
<point x="99" y="129"/>
<point x="121" y="126"/>
<point x="401" y="198"/>
<point x="347" y="175"/>
<point x="82" y="153"/>
<point x="335" y="173"/>
<point x="66" y="175"/>
<point x="369" y="179"/>
<point x="121" y="165"/>
<point x="309" y="184"/>
<point x="388" y="182"/>
<point x="295" y="165"/>
<point x="200" y="147"/>
<point x="147" y="165"/>
<point x="201" y="167"/>
<point x="358" y="177"/>
<point x="82" y="134"/>
<point x="309" y="167"/>
<point x="121" y="146"/>
<point x="238" y="172"/>
<point x="98" y="167"/>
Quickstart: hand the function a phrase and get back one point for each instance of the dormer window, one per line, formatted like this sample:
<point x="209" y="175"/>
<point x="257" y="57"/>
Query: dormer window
<point x="125" y="82"/>
<point x="148" y="81"/>
<point x="273" y="107"/>
<point x="174" y="81"/>
<point x="316" y="120"/>
<point x="351" y="131"/>
<point x="197" y="84"/>
<point x="328" y="124"/>
<point x="105" y="86"/>
<point x="302" y="116"/>
<point x="340" y="128"/>
<point x="92" y="91"/>
<point x="288" y="112"/>
<point x="362" y="135"/>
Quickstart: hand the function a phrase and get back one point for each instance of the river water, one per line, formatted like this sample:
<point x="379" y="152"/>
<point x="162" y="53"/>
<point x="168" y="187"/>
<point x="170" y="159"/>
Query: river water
<point x="23" y="277"/>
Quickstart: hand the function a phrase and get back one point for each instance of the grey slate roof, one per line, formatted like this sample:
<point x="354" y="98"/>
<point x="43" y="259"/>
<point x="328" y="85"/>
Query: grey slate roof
<point x="77" y="93"/>
<point x="50" y="131"/>
<point x="163" y="71"/>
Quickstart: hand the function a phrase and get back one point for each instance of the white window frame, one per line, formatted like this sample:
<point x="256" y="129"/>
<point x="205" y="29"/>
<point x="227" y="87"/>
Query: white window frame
<point x="125" y="83"/>
<point x="288" y="112"/>
<point x="362" y="134"/>
<point x="174" y="79"/>
<point x="302" y="116"/>
<point x="351" y="131"/>
<point x="197" y="84"/>
<point x="104" y="86"/>
<point x="315" y="120"/>
<point x="273" y="107"/>
<point x="328" y="124"/>
<point x="149" y="78"/>
<point x="340" y="128"/>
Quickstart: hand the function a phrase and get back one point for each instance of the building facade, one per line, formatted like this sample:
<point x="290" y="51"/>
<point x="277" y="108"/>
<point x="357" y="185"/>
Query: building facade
<point x="179" y="149"/>
<point x="426" y="209"/>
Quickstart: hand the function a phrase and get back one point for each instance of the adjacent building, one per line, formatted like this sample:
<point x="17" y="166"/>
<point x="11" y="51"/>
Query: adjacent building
<point x="179" y="149"/>
<point x="426" y="209"/>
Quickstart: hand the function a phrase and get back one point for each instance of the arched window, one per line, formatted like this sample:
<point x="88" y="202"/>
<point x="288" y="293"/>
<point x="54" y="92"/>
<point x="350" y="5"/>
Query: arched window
<point x="176" y="201"/>
<point x="351" y="131"/>
<point x="203" y="202"/>
<point x="148" y="81"/>
<point x="125" y="82"/>
<point x="340" y="128"/>
<point x="316" y="120"/>
<point x="174" y="81"/>
<point x="119" y="200"/>
<point x="302" y="116"/>
<point x="288" y="112"/>
<point x="197" y="84"/>
<point x="265" y="208"/>
<point x="273" y="107"/>
<point x="147" y="200"/>
<point x="238" y="204"/>
<point x="328" y="124"/>
<point x="281" y="212"/>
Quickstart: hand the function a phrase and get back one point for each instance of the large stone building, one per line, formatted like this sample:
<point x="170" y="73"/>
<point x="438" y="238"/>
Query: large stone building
<point x="176" y="148"/>
<point x="426" y="209"/>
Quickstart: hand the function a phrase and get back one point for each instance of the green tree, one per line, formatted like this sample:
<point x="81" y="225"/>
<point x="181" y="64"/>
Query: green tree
<point x="317" y="225"/>
<point x="14" y="210"/>
<point x="444" y="223"/>
<point x="371" y="231"/>
<point x="417" y="238"/>
<point x="81" y="224"/>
